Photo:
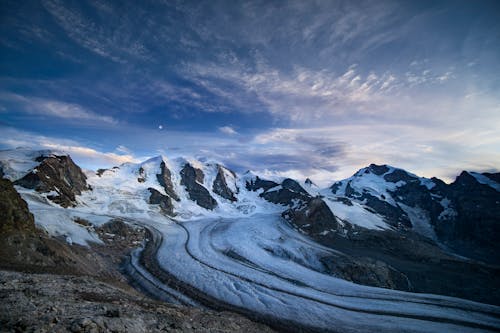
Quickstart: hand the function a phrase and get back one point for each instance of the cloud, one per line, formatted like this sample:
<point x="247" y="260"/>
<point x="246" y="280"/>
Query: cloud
<point x="83" y="155"/>
<point x="54" y="108"/>
<point x="114" y="41"/>
<point x="423" y="150"/>
<point x="227" y="130"/>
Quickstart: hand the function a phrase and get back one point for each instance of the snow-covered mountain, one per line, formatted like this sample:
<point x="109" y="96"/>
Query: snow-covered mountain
<point x="378" y="197"/>
<point x="263" y="242"/>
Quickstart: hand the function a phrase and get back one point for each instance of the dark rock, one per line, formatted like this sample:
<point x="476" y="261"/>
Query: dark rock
<point x="290" y="193"/>
<point x="399" y="175"/>
<point x="309" y="182"/>
<point x="220" y="185"/>
<point x="379" y="170"/>
<point x="335" y="187"/>
<point x="156" y="198"/>
<point x="285" y="196"/>
<point x="475" y="229"/>
<point x="197" y="192"/>
<point x="393" y="215"/>
<point x="293" y="186"/>
<point x="314" y="214"/>
<point x="142" y="175"/>
<point x="165" y="180"/>
<point x="14" y="213"/>
<point x="258" y="183"/>
<point x="493" y="176"/>
<point x="59" y="174"/>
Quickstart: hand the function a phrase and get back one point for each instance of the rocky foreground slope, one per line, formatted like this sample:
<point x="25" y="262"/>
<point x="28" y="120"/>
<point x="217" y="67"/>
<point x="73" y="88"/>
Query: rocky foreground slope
<point x="65" y="303"/>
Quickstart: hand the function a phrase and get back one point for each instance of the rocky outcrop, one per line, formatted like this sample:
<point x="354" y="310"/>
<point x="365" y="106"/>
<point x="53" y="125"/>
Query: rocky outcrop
<point x="165" y="180"/>
<point x="157" y="198"/>
<point x="190" y="178"/>
<point x="221" y="187"/>
<point x="258" y="183"/>
<point x="14" y="213"/>
<point x="59" y="175"/>
<point x="309" y="214"/>
<point x="312" y="217"/>
<point x="288" y="193"/>
<point x="475" y="226"/>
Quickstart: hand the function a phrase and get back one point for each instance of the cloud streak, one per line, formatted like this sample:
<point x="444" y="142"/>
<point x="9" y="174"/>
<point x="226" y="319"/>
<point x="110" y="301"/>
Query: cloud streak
<point x="54" y="108"/>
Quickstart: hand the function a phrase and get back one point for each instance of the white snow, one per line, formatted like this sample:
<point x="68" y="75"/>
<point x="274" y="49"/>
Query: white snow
<point x="485" y="180"/>
<point x="16" y="163"/>
<point x="420" y="221"/>
<point x="57" y="221"/>
<point x="356" y="215"/>
<point x="448" y="211"/>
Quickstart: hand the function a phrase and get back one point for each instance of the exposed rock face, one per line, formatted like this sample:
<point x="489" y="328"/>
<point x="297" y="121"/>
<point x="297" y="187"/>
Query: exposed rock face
<point x="259" y="183"/>
<point x="59" y="174"/>
<point x="14" y="213"/>
<point x="198" y="193"/>
<point x="165" y="180"/>
<point x="476" y="225"/>
<point x="309" y="214"/>
<point x="309" y="182"/>
<point x="313" y="217"/>
<point x="290" y="193"/>
<point x="220" y="185"/>
<point x="156" y="198"/>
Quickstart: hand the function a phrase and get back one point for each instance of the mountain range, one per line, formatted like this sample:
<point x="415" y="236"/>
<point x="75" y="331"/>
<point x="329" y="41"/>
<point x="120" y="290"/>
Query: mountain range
<point x="383" y="227"/>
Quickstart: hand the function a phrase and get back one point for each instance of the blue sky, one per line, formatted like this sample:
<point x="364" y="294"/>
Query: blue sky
<point x="298" y="88"/>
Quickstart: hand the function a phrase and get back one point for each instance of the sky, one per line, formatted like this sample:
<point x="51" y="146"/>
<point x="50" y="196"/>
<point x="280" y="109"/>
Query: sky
<point x="302" y="89"/>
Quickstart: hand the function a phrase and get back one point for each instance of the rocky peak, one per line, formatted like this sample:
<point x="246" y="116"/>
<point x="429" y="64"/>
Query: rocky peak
<point x="58" y="174"/>
<point x="198" y="193"/>
<point x="309" y="182"/>
<point x="165" y="180"/>
<point x="294" y="186"/>
<point x="258" y="183"/>
<point x="379" y="170"/>
<point x="220" y="185"/>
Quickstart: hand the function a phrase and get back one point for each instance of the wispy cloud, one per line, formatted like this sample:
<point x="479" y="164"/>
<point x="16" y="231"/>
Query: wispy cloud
<point x="54" y="108"/>
<point x="114" y="41"/>
<point x="82" y="154"/>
